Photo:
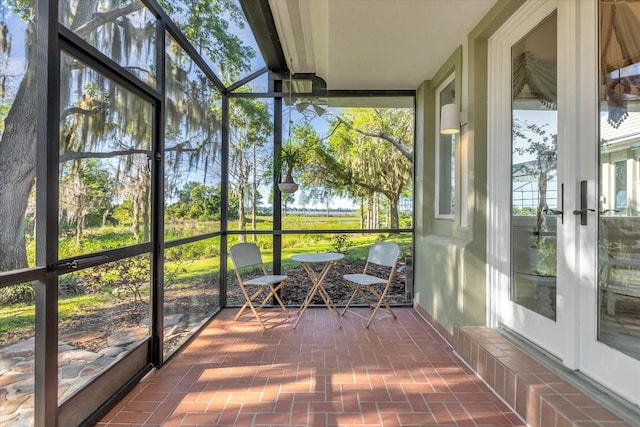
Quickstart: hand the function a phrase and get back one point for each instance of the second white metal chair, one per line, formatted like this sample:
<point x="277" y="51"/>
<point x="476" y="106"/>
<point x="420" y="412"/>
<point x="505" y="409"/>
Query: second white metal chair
<point x="248" y="255"/>
<point x="383" y="254"/>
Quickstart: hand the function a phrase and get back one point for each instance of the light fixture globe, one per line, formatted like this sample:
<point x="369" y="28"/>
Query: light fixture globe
<point x="449" y="119"/>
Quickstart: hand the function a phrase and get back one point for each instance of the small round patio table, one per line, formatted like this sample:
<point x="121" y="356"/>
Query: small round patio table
<point x="307" y="261"/>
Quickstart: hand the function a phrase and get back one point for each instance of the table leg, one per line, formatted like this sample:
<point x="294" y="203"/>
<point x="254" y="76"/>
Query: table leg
<point x="318" y="288"/>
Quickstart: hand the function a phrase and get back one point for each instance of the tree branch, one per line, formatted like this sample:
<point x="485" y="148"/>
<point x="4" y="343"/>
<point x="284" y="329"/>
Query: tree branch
<point x="75" y="155"/>
<point x="99" y="19"/>
<point x="380" y="135"/>
<point x="78" y="110"/>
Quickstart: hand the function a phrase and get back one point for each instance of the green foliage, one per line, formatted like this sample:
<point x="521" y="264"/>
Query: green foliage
<point x="128" y="278"/>
<point x="341" y="243"/>
<point x="289" y="156"/>
<point x="196" y="201"/>
<point x="406" y="220"/>
<point x="123" y="213"/>
<point x="21" y="293"/>
<point x="97" y="239"/>
<point x="86" y="193"/>
<point x="69" y="285"/>
<point x="206" y="23"/>
<point x="176" y="262"/>
<point x="524" y="211"/>
<point x="368" y="153"/>
<point x="547" y="256"/>
<point x="22" y="8"/>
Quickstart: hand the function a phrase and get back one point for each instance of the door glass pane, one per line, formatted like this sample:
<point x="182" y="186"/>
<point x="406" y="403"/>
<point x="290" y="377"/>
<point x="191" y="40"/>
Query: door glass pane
<point x="534" y="185"/>
<point x="105" y="169"/>
<point x="193" y="147"/>
<point x="17" y="137"/>
<point x="191" y="290"/>
<point x="17" y="354"/>
<point x="619" y="223"/>
<point x="103" y="313"/>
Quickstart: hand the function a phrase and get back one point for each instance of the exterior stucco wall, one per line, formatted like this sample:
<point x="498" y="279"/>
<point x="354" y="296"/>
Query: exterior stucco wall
<point x="450" y="262"/>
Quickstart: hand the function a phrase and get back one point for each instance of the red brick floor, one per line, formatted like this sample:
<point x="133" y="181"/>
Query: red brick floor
<point x="396" y="373"/>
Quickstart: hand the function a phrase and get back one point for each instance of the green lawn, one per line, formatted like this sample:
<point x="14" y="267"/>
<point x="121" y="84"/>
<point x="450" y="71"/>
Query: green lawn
<point x="195" y="261"/>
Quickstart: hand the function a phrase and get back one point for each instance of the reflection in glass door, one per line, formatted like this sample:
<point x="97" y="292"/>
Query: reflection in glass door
<point x="534" y="170"/>
<point x="619" y="224"/>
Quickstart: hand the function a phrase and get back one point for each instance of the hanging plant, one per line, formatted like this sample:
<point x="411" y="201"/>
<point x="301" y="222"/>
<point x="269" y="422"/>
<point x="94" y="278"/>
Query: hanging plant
<point x="288" y="158"/>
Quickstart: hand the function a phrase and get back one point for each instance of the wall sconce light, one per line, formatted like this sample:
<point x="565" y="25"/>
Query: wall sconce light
<point x="449" y="119"/>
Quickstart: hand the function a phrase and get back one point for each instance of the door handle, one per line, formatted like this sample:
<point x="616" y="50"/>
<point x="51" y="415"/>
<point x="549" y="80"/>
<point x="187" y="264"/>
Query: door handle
<point x="583" y="204"/>
<point x="582" y="211"/>
<point x="553" y="211"/>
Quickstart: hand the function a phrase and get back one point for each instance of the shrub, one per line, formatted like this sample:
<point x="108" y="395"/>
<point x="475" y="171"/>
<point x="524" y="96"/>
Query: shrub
<point x="127" y="277"/>
<point x="341" y="243"/>
<point x="24" y="292"/>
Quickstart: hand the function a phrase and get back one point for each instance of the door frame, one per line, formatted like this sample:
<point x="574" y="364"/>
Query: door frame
<point x="578" y="109"/>
<point x="553" y="336"/>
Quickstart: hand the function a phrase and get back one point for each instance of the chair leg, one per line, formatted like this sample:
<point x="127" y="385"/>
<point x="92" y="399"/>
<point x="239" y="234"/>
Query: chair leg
<point x="255" y="312"/>
<point x="249" y="303"/>
<point x="248" y="299"/>
<point x="381" y="300"/>
<point x="364" y="296"/>
<point x="242" y="309"/>
<point x="356" y="291"/>
<point x="383" y="297"/>
<point x="274" y="292"/>
<point x="346" y="307"/>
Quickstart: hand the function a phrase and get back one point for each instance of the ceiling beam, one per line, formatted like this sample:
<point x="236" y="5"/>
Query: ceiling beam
<point x="258" y="14"/>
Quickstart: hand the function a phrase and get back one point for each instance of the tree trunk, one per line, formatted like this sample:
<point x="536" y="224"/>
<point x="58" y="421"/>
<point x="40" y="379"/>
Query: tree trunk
<point x="105" y="216"/>
<point x="135" y="224"/>
<point x="79" y="230"/>
<point x="254" y="194"/>
<point x="242" y="218"/>
<point x="376" y="211"/>
<point x="17" y="170"/>
<point x="541" y="214"/>
<point x="146" y="203"/>
<point x="393" y="211"/>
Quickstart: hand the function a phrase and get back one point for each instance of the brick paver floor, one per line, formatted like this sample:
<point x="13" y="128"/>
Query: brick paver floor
<point x="396" y="373"/>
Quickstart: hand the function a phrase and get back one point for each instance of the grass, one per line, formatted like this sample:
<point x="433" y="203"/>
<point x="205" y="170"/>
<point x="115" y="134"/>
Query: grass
<point x="195" y="261"/>
<point x="20" y="318"/>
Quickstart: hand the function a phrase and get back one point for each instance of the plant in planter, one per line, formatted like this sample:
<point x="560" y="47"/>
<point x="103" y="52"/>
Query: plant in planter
<point x="535" y="143"/>
<point x="288" y="158"/>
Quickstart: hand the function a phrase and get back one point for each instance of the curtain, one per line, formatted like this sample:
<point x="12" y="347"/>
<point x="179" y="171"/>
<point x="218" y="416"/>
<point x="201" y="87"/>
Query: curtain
<point x="539" y="75"/>
<point x="619" y="48"/>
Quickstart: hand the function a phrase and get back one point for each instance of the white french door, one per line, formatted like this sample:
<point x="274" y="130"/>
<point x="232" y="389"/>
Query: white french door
<point x="529" y="152"/>
<point x="609" y="244"/>
<point x="562" y="269"/>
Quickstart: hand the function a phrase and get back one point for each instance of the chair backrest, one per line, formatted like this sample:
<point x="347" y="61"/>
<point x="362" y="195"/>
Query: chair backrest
<point x="384" y="253"/>
<point x="245" y="255"/>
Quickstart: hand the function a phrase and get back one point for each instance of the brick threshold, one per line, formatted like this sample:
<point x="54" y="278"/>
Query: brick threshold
<point x="536" y="393"/>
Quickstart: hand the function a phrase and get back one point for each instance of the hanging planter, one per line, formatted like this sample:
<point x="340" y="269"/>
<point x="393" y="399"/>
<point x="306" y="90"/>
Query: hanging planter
<point x="288" y="187"/>
<point x="288" y="158"/>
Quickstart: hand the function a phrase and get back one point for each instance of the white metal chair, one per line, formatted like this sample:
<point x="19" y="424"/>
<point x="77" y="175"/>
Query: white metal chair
<point x="248" y="255"/>
<point x="383" y="254"/>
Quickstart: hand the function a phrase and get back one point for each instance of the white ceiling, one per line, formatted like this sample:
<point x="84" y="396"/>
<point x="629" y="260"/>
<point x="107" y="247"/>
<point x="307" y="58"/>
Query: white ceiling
<point x="373" y="44"/>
